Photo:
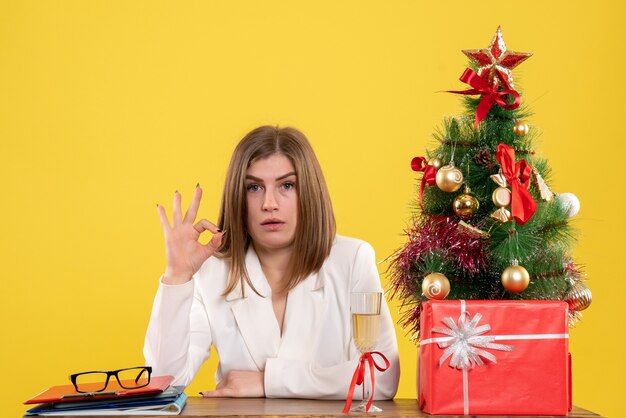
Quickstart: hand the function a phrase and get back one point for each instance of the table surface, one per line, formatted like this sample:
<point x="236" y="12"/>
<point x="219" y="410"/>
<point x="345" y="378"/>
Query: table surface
<point x="261" y="407"/>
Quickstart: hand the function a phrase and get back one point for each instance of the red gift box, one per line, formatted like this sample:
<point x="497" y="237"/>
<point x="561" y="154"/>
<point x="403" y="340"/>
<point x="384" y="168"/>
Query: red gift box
<point x="494" y="358"/>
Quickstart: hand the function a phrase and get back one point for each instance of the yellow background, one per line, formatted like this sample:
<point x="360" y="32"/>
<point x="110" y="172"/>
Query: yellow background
<point x="107" y="107"/>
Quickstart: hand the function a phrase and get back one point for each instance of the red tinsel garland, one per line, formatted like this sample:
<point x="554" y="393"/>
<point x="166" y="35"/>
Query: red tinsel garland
<point x="427" y="236"/>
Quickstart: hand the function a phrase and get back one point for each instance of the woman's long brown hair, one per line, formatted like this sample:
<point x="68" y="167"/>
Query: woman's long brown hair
<point x="315" y="230"/>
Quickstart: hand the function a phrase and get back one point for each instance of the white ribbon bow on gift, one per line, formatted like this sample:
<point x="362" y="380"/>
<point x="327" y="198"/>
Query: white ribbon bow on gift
<point x="465" y="342"/>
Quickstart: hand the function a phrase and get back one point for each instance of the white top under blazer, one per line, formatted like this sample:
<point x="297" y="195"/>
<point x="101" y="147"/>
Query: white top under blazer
<point x="314" y="358"/>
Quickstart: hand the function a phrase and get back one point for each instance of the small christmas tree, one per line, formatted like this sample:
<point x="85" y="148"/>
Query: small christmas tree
<point x="486" y="225"/>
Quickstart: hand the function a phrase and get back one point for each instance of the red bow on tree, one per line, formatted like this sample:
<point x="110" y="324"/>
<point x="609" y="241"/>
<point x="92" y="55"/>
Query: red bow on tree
<point x="490" y="95"/>
<point x="517" y="174"/>
<point x="420" y="164"/>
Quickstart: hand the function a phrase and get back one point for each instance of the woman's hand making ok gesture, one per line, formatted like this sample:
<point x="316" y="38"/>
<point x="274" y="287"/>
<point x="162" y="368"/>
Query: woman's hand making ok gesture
<point x="184" y="254"/>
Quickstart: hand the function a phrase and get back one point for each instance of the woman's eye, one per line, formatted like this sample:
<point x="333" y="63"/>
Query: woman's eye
<point x="254" y="188"/>
<point x="288" y="185"/>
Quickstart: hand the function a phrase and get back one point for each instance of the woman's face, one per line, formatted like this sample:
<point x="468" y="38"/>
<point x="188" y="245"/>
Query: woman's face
<point x="272" y="201"/>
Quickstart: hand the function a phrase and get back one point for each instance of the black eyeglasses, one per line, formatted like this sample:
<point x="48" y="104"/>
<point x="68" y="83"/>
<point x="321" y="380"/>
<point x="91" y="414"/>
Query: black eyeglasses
<point x="97" y="381"/>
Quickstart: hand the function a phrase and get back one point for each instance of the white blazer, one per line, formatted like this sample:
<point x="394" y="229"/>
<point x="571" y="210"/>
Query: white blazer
<point x="314" y="358"/>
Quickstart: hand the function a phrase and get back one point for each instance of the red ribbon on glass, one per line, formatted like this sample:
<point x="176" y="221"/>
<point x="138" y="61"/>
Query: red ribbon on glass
<point x="359" y="377"/>
<point x="517" y="174"/>
<point x="489" y="94"/>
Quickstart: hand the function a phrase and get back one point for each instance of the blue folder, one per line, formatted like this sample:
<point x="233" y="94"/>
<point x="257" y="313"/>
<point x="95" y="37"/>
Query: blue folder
<point x="173" y="396"/>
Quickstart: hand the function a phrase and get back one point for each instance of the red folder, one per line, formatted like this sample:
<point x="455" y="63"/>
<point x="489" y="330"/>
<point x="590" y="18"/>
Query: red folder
<point x="67" y="393"/>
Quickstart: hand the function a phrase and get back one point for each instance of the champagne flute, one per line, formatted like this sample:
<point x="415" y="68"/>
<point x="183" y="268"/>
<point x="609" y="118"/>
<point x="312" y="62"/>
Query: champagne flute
<point x="365" y="308"/>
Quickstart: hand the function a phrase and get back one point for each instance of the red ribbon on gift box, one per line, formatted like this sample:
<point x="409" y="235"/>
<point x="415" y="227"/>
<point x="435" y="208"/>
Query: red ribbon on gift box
<point x="359" y="377"/>
<point x="490" y="95"/>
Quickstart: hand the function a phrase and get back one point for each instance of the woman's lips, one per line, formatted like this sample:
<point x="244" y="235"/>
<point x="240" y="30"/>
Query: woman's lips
<point x="272" y="225"/>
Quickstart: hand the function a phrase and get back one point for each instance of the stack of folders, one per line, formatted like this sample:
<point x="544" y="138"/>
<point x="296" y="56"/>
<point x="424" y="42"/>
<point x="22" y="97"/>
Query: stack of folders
<point x="158" y="398"/>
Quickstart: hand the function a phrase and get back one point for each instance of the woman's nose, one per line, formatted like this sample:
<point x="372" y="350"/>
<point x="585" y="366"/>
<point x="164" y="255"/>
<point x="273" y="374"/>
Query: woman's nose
<point x="269" y="202"/>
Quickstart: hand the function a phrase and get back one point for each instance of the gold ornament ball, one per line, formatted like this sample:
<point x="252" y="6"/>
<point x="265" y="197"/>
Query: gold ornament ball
<point x="520" y="128"/>
<point x="579" y="297"/>
<point x="515" y="278"/>
<point x="435" y="162"/>
<point x="435" y="286"/>
<point x="465" y="205"/>
<point x="449" y="178"/>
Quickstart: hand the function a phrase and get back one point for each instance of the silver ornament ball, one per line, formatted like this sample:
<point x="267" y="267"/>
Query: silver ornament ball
<point x="570" y="202"/>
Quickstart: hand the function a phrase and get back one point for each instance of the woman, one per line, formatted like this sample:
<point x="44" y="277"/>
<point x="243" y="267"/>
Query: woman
<point x="271" y="289"/>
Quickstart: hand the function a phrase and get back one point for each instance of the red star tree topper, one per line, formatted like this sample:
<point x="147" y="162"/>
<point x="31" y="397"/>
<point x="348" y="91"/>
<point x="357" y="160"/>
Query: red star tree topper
<point x="496" y="62"/>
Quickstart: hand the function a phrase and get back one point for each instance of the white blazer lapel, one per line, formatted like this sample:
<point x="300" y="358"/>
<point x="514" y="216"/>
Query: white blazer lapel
<point x="254" y="314"/>
<point x="304" y="318"/>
